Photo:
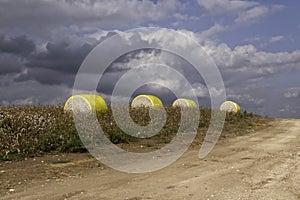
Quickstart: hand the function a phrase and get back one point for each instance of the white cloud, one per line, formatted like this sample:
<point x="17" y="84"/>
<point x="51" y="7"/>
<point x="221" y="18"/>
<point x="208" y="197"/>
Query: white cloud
<point x="288" y="109"/>
<point x="246" y="99"/>
<point x="276" y="38"/>
<point x="252" y="15"/>
<point x="264" y="41"/>
<point x="118" y="9"/>
<point x="253" y="39"/>
<point x="246" y="12"/>
<point x="247" y="58"/>
<point x="111" y="10"/>
<point x="239" y="65"/>
<point x="185" y="17"/>
<point x="198" y="89"/>
<point x="292" y="93"/>
<point x="217" y="7"/>
<point x="211" y="32"/>
<point x="256" y="13"/>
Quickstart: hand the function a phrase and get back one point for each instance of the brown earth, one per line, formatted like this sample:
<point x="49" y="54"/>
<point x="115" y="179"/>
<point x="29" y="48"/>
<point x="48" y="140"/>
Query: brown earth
<point x="259" y="165"/>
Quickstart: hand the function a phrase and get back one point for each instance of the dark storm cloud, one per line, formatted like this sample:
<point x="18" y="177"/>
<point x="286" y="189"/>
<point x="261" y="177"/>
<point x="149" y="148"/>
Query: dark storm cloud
<point x="60" y="57"/>
<point x="40" y="18"/>
<point x="164" y="94"/>
<point x="46" y="77"/>
<point x="138" y="58"/>
<point x="10" y="63"/>
<point x="19" y="45"/>
<point x="13" y="53"/>
<point x="59" y="62"/>
<point x="31" y="92"/>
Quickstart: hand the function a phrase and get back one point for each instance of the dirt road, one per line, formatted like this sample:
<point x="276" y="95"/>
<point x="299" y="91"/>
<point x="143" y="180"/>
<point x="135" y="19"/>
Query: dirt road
<point x="261" y="165"/>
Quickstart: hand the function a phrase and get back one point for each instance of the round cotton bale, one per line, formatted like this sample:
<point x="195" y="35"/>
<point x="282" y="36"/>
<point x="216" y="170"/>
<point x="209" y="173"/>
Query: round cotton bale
<point x="184" y="103"/>
<point x="85" y="103"/>
<point x="230" y="106"/>
<point x="147" y="101"/>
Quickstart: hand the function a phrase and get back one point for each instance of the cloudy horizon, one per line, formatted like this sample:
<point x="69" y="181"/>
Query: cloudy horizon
<point x="255" y="44"/>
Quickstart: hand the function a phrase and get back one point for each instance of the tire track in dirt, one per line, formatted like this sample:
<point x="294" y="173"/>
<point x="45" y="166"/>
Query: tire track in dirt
<point x="261" y="165"/>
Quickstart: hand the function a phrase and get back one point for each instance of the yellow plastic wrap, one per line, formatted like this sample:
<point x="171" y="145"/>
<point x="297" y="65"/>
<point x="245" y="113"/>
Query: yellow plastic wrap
<point x="147" y="101"/>
<point x="86" y="103"/>
<point x="182" y="102"/>
<point x="230" y="106"/>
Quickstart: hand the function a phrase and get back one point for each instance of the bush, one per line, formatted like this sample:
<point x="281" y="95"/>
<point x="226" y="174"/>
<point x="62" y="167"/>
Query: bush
<point x="36" y="130"/>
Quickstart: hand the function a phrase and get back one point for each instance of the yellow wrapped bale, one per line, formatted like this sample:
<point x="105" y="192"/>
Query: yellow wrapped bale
<point x="230" y="106"/>
<point x="147" y="101"/>
<point x="185" y="103"/>
<point x="85" y="103"/>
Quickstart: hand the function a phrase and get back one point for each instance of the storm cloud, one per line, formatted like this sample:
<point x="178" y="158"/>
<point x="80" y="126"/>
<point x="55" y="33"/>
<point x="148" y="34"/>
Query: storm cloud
<point x="19" y="45"/>
<point x="43" y="44"/>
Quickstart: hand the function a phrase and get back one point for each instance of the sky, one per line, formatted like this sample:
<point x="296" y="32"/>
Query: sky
<point x="255" y="45"/>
